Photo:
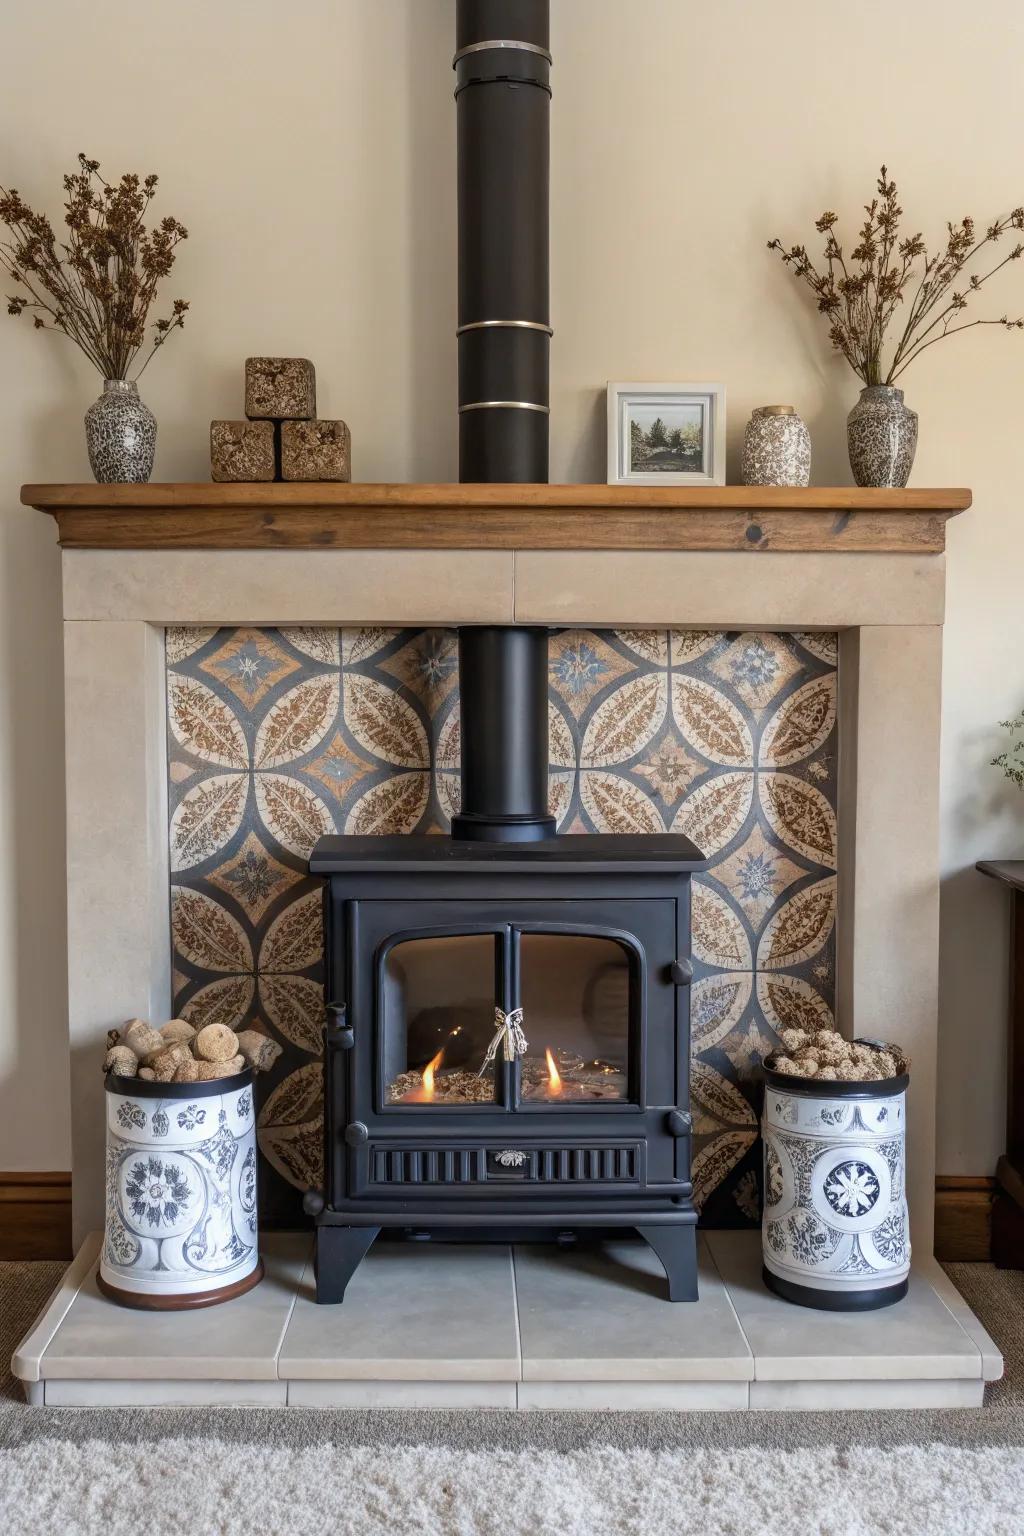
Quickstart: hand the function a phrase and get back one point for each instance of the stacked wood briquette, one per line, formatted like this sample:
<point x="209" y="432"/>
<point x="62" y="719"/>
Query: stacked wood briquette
<point x="178" y="1053"/>
<point x="826" y="1054"/>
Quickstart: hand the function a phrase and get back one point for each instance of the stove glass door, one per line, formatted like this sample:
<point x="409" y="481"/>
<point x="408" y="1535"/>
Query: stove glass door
<point x="437" y="995"/>
<point x="577" y="993"/>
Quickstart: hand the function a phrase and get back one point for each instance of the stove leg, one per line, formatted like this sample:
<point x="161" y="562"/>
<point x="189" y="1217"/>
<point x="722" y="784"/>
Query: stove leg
<point x="338" y="1252"/>
<point x="676" y="1247"/>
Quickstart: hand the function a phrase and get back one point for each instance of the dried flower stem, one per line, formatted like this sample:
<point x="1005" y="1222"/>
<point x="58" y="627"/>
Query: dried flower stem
<point x="861" y="300"/>
<point x="97" y="288"/>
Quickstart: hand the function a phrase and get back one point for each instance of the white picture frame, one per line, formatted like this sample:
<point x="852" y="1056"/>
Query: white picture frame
<point x="688" y="414"/>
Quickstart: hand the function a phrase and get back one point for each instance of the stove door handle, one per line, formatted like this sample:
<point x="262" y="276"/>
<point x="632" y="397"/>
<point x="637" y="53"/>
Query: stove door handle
<point x="681" y="971"/>
<point x="338" y="1033"/>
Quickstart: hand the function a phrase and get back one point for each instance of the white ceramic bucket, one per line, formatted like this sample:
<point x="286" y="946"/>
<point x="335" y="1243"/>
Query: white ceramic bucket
<point x="835" y="1231"/>
<point x="181" y="1224"/>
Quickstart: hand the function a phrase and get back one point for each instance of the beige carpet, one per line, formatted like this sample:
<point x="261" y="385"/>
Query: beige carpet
<point x="193" y="1486"/>
<point x="290" y="1471"/>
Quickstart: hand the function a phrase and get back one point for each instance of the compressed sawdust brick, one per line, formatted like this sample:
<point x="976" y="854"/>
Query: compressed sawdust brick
<point x="280" y="389"/>
<point x="177" y="1031"/>
<point x="242" y="451"/>
<point x="121" y="1061"/>
<point x="827" y="1054"/>
<point x="316" y="450"/>
<point x="258" y="1051"/>
<point x="208" y="1070"/>
<point x="216" y="1043"/>
<point x="143" y="1039"/>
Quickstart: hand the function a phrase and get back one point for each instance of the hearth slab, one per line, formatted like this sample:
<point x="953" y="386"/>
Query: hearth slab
<point x="412" y="1313"/>
<point x="27" y="1358"/>
<point x="633" y="1396"/>
<point x="918" y="1339"/>
<point x="873" y="1396"/>
<point x="991" y="1359"/>
<point x="602" y="1316"/>
<point x="396" y="1346"/>
<point x="157" y="1393"/>
<point x="422" y="1395"/>
<point x="99" y="1341"/>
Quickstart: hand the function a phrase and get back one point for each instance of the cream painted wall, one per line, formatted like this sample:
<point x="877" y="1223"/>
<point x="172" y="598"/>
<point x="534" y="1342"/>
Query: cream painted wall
<point x="310" y="150"/>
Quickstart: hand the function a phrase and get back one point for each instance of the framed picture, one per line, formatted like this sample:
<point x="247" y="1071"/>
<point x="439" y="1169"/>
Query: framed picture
<point x="666" y="434"/>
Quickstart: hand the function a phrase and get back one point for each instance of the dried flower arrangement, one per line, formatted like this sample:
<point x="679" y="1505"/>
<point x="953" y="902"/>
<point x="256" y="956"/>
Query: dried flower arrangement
<point x="860" y="295"/>
<point x="177" y="1053"/>
<point x="826" y="1054"/>
<point x="98" y="286"/>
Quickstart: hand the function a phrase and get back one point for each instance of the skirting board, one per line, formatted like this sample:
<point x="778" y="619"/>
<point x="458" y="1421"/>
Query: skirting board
<point x="35" y="1217"/>
<point x="963" y="1218"/>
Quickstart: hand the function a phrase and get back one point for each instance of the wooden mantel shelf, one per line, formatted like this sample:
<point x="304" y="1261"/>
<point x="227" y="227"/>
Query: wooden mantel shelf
<point x="378" y="516"/>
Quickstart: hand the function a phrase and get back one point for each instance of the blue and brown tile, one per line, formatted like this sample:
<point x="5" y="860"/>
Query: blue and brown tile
<point x="278" y="736"/>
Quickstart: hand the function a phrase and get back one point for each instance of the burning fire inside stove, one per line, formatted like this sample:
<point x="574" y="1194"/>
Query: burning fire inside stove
<point x="561" y="1075"/>
<point x="424" y="1094"/>
<point x="554" y="1077"/>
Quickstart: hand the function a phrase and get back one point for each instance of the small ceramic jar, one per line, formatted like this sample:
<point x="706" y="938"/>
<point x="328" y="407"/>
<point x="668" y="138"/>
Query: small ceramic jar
<point x="776" y="448"/>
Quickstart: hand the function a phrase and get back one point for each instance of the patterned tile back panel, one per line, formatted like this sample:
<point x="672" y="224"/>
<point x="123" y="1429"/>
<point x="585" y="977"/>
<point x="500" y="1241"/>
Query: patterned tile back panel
<point x="280" y="735"/>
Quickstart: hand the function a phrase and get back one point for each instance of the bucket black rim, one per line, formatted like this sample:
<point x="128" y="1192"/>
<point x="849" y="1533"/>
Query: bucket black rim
<point x="833" y="1088"/>
<point x="142" y="1088"/>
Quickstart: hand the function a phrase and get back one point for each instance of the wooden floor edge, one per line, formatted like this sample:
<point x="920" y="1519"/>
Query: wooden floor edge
<point x="35" y="1216"/>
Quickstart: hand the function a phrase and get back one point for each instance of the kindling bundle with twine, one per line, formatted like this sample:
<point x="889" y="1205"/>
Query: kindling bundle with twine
<point x="509" y="1032"/>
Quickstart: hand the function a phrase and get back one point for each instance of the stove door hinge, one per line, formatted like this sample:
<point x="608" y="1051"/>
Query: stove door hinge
<point x="338" y="1035"/>
<point x="679" y="1122"/>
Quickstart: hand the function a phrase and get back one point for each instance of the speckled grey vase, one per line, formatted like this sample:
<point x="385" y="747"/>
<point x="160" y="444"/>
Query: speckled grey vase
<point x="120" y="431"/>
<point x="881" y="433"/>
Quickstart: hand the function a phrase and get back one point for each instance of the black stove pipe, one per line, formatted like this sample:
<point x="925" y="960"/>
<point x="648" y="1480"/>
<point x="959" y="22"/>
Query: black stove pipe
<point x="503" y="704"/>
<point x="502" y="94"/>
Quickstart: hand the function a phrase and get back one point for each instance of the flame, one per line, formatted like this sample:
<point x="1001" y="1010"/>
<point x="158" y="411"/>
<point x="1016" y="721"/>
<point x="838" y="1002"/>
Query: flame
<point x="425" y="1094"/>
<point x="428" y="1075"/>
<point x="554" y="1076"/>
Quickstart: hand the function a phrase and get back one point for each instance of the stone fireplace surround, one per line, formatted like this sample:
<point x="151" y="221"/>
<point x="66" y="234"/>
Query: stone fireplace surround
<point x="867" y="564"/>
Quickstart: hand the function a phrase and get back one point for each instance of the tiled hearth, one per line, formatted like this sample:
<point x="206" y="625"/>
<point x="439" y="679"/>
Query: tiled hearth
<point x="493" y="1327"/>
<point x="279" y="736"/>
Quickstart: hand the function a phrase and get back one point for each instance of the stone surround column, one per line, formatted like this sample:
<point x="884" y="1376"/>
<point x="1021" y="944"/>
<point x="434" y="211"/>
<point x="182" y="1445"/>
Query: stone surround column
<point x="117" y="867"/>
<point x="890" y="690"/>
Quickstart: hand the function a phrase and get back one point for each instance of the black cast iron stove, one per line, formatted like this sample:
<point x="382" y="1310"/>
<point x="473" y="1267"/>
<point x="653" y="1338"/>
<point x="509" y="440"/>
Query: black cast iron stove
<point x="508" y="1026"/>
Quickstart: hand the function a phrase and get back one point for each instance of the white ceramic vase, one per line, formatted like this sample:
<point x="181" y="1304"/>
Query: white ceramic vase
<point x="181" y="1224"/>
<point x="835" y="1230"/>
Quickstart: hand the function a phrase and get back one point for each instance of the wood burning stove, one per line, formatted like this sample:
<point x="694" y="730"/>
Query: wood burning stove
<point x="507" y="1039"/>
<point x="507" y="1046"/>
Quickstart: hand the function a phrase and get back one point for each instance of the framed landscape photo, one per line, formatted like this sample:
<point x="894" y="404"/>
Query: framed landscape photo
<point x="666" y="434"/>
